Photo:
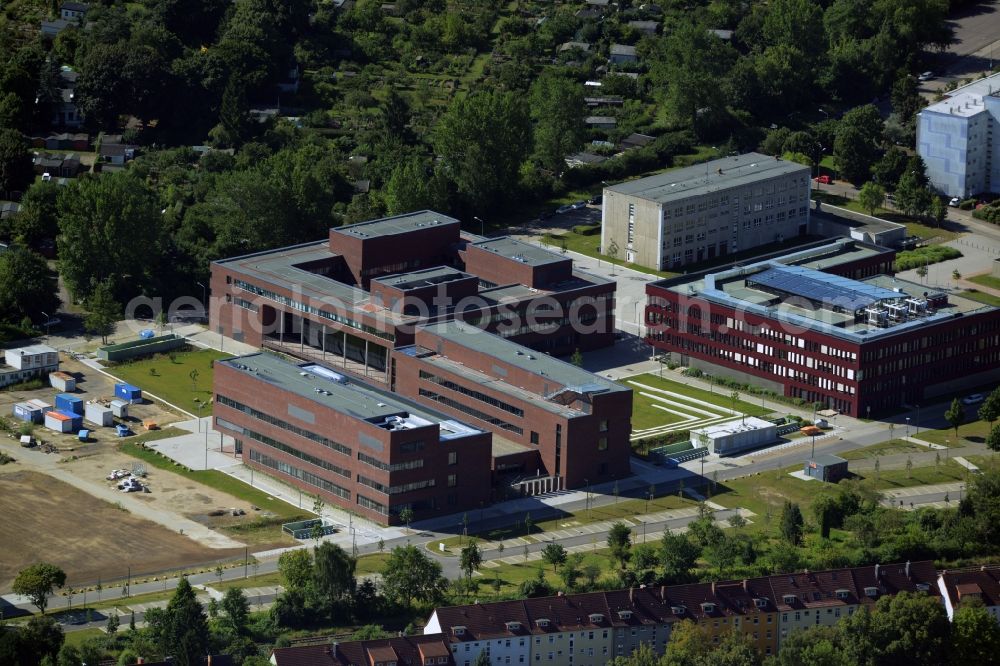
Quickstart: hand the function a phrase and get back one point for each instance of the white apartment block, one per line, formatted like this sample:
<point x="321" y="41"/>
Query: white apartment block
<point x="955" y="137"/>
<point x="685" y="216"/>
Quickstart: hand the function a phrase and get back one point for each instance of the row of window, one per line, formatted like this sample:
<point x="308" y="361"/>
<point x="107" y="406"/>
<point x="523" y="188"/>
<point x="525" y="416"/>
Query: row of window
<point x="304" y="307"/>
<point x="386" y="467"/>
<point x="471" y="411"/>
<point x="472" y="393"/>
<point x="305" y="457"/>
<point x="284" y="425"/>
<point x="300" y="474"/>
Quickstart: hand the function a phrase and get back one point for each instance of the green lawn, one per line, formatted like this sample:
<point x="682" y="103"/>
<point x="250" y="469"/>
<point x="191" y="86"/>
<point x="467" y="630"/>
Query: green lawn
<point x="221" y="482"/>
<point x="590" y="246"/>
<point x="982" y="297"/>
<point x="170" y="378"/>
<point x="986" y="280"/>
<point x="972" y="432"/>
<point x="947" y="472"/>
<point x="891" y="447"/>
<point x="644" y="415"/>
<point x="765" y="494"/>
<point x="78" y="638"/>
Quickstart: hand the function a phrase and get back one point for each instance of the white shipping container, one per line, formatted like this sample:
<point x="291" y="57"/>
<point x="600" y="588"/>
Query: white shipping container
<point x="120" y="408"/>
<point x="98" y="414"/>
<point x="55" y="421"/>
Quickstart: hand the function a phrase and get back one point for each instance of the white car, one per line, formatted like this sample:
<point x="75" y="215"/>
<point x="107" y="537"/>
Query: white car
<point x="118" y="474"/>
<point x="954" y="202"/>
<point x="926" y="76"/>
<point x="973" y="399"/>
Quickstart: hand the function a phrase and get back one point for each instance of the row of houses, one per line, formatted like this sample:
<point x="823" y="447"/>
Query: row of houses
<point x="592" y="628"/>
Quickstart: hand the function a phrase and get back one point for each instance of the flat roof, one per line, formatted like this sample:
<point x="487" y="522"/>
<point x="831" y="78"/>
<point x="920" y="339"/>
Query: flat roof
<point x="745" y="424"/>
<point x="346" y="396"/>
<point x="398" y="224"/>
<point x="827" y="459"/>
<point x="704" y="178"/>
<point x="963" y="105"/>
<point x="816" y="286"/>
<point x="728" y="287"/>
<point x="31" y="349"/>
<point x="424" y="278"/>
<point x="985" y="86"/>
<point x="516" y="250"/>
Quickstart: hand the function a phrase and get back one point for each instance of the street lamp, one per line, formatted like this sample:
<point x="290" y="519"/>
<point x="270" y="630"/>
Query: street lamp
<point x="587" y="500"/>
<point x="204" y="298"/>
<point x="918" y="421"/>
<point x="821" y="110"/>
<point x="482" y="225"/>
<point x="907" y="426"/>
<point x="47" y="320"/>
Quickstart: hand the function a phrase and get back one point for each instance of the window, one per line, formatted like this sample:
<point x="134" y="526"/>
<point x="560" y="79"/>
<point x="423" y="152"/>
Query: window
<point x="604" y="425"/>
<point x="534" y="438"/>
<point x="602" y="444"/>
<point x="452" y="480"/>
<point x="453" y="457"/>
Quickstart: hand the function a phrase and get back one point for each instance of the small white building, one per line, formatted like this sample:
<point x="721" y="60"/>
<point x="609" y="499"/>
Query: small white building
<point x="62" y="381"/>
<point x="99" y="415"/>
<point x="731" y="437"/>
<point x="24" y="363"/>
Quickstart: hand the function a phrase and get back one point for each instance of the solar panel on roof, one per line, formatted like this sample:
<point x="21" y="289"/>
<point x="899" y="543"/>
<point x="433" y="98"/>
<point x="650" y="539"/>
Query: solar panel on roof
<point x="822" y="287"/>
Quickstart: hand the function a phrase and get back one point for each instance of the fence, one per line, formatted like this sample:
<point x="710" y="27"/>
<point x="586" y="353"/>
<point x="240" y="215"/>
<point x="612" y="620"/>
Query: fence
<point x="137" y="348"/>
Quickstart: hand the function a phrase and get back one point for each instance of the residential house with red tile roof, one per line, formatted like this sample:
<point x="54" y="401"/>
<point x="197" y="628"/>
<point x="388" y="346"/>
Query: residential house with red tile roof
<point x="960" y="585"/>
<point x="421" y="650"/>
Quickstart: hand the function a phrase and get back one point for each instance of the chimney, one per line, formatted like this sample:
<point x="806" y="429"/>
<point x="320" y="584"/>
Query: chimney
<point x="908" y="570"/>
<point x="713" y="588"/>
<point x="877" y="572"/>
<point x="745" y="585"/>
<point x="663" y="592"/>
<point x="631" y="594"/>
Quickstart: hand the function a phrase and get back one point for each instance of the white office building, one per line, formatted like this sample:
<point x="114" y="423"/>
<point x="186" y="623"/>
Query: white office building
<point x="685" y="216"/>
<point x="955" y="137"/>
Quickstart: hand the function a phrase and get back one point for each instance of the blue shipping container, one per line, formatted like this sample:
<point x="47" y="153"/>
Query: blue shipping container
<point x="76" y="421"/>
<point x="69" y="404"/>
<point x="128" y="392"/>
<point x="27" y="412"/>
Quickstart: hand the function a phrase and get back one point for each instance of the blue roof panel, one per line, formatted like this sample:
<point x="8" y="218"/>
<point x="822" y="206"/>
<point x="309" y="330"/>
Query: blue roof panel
<point x="816" y="286"/>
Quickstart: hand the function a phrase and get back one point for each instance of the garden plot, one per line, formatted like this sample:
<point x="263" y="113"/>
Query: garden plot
<point x="659" y="411"/>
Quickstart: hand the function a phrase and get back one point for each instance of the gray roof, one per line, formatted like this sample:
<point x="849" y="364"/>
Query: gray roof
<point x="583" y="46"/>
<point x="600" y="120"/>
<point x="425" y="278"/>
<point x="827" y="459"/>
<point x="713" y="176"/>
<point x="400" y="224"/>
<point x="520" y="251"/>
<point x="350" y="397"/>
<point x="622" y="49"/>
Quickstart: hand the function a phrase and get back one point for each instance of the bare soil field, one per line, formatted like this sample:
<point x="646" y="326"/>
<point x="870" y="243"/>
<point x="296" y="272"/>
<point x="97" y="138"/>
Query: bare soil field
<point x="48" y="520"/>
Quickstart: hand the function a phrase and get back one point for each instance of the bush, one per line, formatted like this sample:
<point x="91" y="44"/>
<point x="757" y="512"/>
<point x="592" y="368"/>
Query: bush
<point x="692" y="372"/>
<point x="587" y="229"/>
<point x="923" y="256"/>
<point x="968" y="204"/>
<point x="989" y="214"/>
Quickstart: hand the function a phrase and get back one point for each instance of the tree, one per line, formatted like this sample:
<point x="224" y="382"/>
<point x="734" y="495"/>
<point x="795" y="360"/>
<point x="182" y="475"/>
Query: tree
<point x="678" y="557"/>
<point x="990" y="409"/>
<point x="109" y="229"/>
<point x="912" y="195"/>
<point x="236" y="609"/>
<point x="15" y="162"/>
<point x="871" y="197"/>
<point x="975" y="635"/>
<point x="482" y="659"/>
<point x="824" y="508"/>
<point x="620" y="542"/>
<point x="955" y="415"/>
<point x="791" y="523"/>
<point x="471" y="558"/>
<point x="296" y="567"/>
<point x="906" y="628"/>
<point x="103" y="312"/>
<point x="577" y="358"/>
<point x="856" y="147"/>
<point x="27" y="286"/>
<point x="482" y="139"/>
<point x="184" y="631"/>
<point x="554" y="554"/>
<point x="409" y="187"/>
<point x="938" y="210"/>
<point x="558" y="110"/>
<point x="409" y="575"/>
<point x="890" y="167"/>
<point x="406" y="515"/>
<point x="38" y="582"/>
<point x="333" y="580"/>
<point x="39" y="639"/>
<point x="37" y="220"/>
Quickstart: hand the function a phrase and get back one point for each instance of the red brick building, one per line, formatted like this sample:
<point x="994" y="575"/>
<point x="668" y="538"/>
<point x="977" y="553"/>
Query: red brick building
<point x="402" y="651"/>
<point x="554" y="424"/>
<point x="357" y="447"/>
<point x="827" y="324"/>
<point x="351" y="299"/>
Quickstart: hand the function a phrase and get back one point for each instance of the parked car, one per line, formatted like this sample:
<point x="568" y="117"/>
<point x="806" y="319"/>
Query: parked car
<point x="973" y="399"/>
<point x="118" y="474"/>
<point x="823" y="180"/>
<point x="596" y="201"/>
<point x="564" y="209"/>
<point x="954" y="202"/>
<point x="926" y="76"/>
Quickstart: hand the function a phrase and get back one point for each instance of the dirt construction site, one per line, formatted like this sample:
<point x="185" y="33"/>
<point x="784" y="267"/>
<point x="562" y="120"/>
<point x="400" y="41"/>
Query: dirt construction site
<point x="63" y="508"/>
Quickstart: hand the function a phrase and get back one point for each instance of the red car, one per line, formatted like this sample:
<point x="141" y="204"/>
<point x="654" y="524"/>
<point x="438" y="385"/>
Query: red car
<point x="824" y="179"/>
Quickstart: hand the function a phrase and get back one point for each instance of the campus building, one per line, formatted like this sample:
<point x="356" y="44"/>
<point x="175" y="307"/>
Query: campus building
<point x="351" y="299"/>
<point x="684" y="216"/>
<point x="824" y="324"/>
<point x="955" y="137"/>
<point x="590" y="629"/>
<point x="357" y="447"/>
<point x="554" y="424"/>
